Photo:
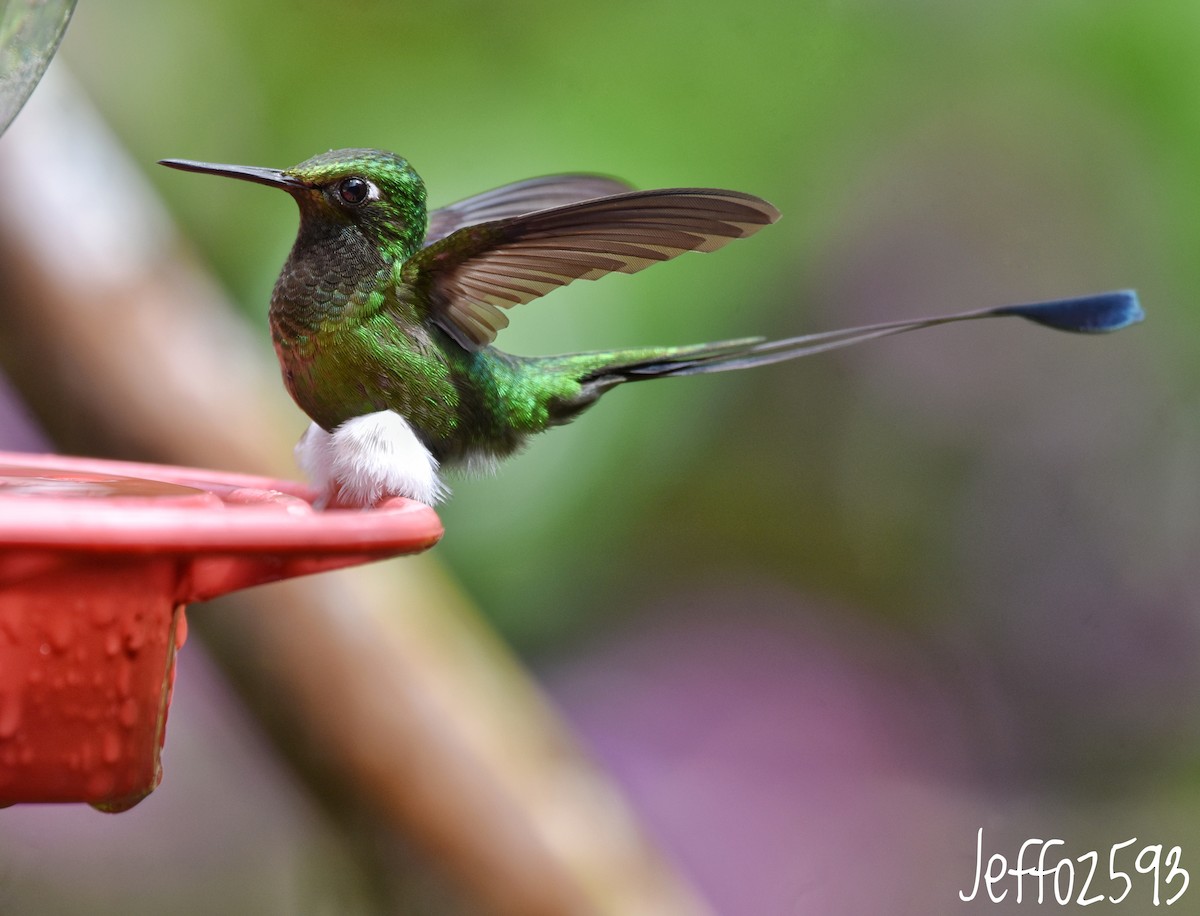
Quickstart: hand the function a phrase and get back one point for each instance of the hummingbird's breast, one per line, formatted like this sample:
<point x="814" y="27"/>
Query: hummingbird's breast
<point x="350" y="346"/>
<point x="353" y="339"/>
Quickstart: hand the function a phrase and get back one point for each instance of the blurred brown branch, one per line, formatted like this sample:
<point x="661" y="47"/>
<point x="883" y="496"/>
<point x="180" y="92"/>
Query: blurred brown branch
<point x="383" y="687"/>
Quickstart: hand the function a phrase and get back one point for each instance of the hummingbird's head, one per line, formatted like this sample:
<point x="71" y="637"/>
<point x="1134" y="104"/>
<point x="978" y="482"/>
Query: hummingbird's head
<point x="370" y="193"/>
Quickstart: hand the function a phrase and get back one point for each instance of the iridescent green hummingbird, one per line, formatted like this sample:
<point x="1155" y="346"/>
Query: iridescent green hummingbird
<point x="384" y="315"/>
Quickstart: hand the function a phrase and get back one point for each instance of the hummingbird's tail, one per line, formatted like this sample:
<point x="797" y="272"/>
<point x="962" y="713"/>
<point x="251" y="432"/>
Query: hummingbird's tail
<point x="1085" y="314"/>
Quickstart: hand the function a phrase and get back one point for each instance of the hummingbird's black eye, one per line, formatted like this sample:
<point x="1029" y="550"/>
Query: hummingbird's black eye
<point x="354" y="190"/>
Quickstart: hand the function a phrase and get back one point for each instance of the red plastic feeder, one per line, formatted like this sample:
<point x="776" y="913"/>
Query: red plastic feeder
<point x="97" y="561"/>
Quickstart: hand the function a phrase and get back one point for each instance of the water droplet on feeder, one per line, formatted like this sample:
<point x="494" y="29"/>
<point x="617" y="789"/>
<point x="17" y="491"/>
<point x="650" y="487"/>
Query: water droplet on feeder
<point x="128" y="714"/>
<point x="112" y="747"/>
<point x="101" y="784"/>
<point x="104" y="612"/>
<point x="135" y="639"/>
<point x="112" y="643"/>
<point x="61" y="632"/>
<point x="10" y="715"/>
<point x="125" y="680"/>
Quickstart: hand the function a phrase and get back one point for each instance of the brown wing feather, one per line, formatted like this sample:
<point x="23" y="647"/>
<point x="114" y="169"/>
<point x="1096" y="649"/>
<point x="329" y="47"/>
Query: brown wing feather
<point x="519" y="198"/>
<point x="475" y="272"/>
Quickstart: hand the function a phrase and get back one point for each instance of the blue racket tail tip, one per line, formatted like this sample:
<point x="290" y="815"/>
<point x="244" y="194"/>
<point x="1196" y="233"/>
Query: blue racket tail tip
<point x="1098" y="314"/>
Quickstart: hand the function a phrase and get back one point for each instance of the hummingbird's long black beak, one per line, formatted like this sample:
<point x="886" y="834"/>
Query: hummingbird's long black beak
<point x="276" y="178"/>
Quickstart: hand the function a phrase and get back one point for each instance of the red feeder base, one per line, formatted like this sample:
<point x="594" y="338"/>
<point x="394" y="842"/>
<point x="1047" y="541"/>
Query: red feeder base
<point x="97" y="561"/>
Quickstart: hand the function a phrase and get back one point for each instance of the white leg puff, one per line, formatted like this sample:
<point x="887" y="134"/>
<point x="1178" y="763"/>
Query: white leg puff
<point x="368" y="459"/>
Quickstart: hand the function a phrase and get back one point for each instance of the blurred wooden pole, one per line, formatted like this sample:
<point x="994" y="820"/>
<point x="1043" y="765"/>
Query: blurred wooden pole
<point x="383" y="686"/>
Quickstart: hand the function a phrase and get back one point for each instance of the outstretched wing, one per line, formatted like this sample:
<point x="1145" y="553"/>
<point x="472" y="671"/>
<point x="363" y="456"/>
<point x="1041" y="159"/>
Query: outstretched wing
<point x="519" y="198"/>
<point x="469" y="276"/>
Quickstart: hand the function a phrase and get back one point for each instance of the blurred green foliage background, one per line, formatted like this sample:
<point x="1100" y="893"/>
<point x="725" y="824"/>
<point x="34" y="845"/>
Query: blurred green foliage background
<point x="1020" y="505"/>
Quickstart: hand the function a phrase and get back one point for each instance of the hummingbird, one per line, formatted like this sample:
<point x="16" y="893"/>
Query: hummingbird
<point x="385" y="313"/>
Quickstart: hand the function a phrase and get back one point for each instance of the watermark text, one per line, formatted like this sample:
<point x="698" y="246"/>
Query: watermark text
<point x="1041" y="867"/>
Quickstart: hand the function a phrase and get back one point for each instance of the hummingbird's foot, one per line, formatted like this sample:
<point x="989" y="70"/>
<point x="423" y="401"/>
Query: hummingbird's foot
<point x="369" y="459"/>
